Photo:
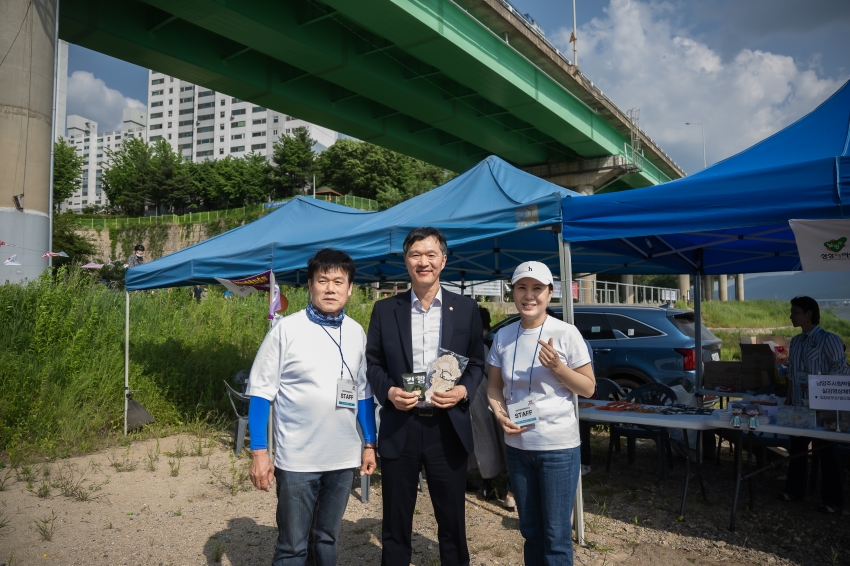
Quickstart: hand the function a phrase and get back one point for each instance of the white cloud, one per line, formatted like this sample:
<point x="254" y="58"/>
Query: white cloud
<point x="89" y="97"/>
<point x="640" y="58"/>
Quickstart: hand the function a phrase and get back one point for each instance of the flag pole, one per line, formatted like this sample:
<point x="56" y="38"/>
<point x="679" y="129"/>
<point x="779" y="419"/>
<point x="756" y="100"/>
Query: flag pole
<point x="126" y="356"/>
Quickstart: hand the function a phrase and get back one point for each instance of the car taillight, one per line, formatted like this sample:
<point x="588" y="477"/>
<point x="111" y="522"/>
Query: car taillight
<point x="690" y="358"/>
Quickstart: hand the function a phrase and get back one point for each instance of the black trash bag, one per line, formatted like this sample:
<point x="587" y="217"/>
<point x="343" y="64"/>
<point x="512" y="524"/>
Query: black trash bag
<point x="137" y="416"/>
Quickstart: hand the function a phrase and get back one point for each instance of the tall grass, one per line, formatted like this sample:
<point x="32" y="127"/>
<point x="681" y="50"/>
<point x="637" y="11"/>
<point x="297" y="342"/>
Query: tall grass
<point x="760" y="314"/>
<point x="62" y="369"/>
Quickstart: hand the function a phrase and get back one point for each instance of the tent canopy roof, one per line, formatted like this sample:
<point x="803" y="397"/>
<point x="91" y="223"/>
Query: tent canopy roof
<point x="491" y="200"/>
<point x="736" y="211"/>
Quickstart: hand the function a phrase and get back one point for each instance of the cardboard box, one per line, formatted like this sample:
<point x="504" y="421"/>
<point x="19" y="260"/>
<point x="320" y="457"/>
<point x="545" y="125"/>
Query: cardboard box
<point x="755" y="359"/>
<point x="778" y="340"/>
<point x="754" y="380"/>
<point x="727" y="374"/>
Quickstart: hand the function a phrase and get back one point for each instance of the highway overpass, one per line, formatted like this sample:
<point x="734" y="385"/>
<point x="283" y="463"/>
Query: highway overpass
<point x="448" y="82"/>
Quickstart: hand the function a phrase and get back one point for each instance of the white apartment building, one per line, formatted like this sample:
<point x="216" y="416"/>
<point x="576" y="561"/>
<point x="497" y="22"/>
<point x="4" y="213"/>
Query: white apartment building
<point x="203" y="124"/>
<point x="83" y="134"/>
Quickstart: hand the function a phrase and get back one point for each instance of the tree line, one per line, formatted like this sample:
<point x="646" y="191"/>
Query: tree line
<point x="140" y="173"/>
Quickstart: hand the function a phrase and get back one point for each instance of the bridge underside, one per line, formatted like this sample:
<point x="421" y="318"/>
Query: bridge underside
<point x="419" y="77"/>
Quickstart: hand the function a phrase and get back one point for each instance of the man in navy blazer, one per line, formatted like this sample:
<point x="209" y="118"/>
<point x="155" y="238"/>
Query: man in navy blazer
<point x="405" y="335"/>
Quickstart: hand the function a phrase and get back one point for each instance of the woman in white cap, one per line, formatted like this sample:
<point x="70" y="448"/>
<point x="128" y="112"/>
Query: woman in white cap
<point x="539" y="365"/>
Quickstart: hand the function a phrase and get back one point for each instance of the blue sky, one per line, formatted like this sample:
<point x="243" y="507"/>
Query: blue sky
<point x="745" y="69"/>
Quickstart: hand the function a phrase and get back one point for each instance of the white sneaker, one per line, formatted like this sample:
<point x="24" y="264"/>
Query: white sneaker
<point x="585" y="470"/>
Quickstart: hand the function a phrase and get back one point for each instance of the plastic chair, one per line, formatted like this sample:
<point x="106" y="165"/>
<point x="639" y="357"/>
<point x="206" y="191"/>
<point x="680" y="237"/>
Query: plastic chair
<point x="242" y="423"/>
<point x="648" y="394"/>
<point x="608" y="390"/>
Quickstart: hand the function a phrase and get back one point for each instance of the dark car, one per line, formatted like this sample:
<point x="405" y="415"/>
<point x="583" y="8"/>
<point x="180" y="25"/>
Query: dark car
<point x="633" y="345"/>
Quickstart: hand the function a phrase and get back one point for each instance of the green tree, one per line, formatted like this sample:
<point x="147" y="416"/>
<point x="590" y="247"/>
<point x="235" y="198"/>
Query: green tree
<point x="169" y="177"/>
<point x="366" y="170"/>
<point x="292" y="163"/>
<point x="65" y="239"/>
<point x="256" y="178"/>
<point x="129" y="176"/>
<point x="67" y="171"/>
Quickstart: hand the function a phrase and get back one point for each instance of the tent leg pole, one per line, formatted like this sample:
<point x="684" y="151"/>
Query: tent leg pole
<point x="126" y="356"/>
<point x="270" y="430"/>
<point x="565" y="255"/>
<point x="698" y="326"/>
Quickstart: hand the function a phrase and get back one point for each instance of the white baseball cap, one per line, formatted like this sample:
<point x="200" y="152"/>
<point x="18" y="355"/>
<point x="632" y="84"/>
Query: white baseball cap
<point x="533" y="269"/>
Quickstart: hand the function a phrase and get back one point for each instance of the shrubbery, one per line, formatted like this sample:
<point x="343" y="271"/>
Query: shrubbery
<point x="62" y="373"/>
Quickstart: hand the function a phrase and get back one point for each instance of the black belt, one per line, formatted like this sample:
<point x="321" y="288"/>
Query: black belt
<point x="426" y="411"/>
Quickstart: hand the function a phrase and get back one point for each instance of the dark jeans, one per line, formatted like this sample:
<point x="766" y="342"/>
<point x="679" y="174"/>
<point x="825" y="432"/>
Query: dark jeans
<point x="310" y="506"/>
<point x="832" y="480"/>
<point x="432" y="442"/>
<point x="544" y="483"/>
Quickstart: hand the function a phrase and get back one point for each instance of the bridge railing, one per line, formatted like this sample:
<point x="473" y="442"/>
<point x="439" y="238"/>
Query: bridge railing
<point x="613" y="293"/>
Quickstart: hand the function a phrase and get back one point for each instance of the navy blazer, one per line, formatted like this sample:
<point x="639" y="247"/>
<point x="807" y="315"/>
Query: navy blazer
<point x="389" y="353"/>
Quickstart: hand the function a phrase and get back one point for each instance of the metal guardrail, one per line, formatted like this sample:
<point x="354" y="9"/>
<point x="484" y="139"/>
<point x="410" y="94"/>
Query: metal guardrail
<point x="199" y="217"/>
<point x="834" y="302"/>
<point x="613" y="293"/>
<point x="190" y="218"/>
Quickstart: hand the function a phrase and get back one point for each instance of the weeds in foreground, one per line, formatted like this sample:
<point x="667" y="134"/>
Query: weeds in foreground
<point x="174" y="464"/>
<point x="44" y="489"/>
<point x="218" y="551"/>
<point x="4" y="522"/>
<point x="234" y="479"/>
<point x="125" y="464"/>
<point x="596" y="524"/>
<point x="152" y="457"/>
<point x="4" y="478"/>
<point x="179" y="451"/>
<point x="74" y="487"/>
<point x="47" y="526"/>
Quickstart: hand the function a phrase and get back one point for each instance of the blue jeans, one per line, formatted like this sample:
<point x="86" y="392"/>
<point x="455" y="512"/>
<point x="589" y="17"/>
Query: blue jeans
<point x="544" y="483"/>
<point x="310" y="506"/>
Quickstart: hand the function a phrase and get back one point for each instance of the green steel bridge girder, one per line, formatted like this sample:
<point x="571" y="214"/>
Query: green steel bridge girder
<point x="419" y="77"/>
<point x="148" y="37"/>
<point x="441" y="34"/>
<point x="303" y="35"/>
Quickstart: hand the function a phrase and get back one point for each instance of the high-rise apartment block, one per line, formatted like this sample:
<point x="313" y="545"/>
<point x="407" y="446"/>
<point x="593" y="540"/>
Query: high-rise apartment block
<point x="83" y="134"/>
<point x="202" y="124"/>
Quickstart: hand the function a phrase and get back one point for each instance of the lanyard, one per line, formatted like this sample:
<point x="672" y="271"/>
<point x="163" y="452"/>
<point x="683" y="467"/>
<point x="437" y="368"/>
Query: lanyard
<point x="516" y="347"/>
<point x="339" y="345"/>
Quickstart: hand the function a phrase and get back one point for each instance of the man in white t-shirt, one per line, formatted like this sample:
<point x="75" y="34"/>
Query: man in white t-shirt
<point x="312" y="366"/>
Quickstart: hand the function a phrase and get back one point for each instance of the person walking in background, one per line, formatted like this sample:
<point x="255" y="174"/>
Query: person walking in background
<point x="312" y="366"/>
<point x="539" y="365"/>
<point x="197" y="293"/>
<point x="406" y="333"/>
<point x="137" y="258"/>
<point x="813" y="352"/>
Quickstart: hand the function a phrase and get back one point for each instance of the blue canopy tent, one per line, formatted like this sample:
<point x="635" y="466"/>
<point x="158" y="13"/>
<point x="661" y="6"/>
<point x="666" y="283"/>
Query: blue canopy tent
<point x="288" y="236"/>
<point x="492" y="200"/>
<point x="731" y="216"/>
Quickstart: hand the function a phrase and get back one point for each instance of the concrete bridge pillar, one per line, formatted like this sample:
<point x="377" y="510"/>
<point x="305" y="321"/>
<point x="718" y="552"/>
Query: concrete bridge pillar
<point x="684" y="286"/>
<point x="630" y="290"/>
<point x="739" y="287"/>
<point x="707" y="288"/>
<point x="27" y="36"/>
<point x="722" y="282"/>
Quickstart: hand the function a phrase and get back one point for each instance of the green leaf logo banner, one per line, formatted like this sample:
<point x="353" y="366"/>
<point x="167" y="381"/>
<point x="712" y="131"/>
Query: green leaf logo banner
<point x="836" y="246"/>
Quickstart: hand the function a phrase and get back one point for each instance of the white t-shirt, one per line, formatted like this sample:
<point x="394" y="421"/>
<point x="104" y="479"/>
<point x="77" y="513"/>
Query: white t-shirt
<point x="557" y="427"/>
<point x="297" y="368"/>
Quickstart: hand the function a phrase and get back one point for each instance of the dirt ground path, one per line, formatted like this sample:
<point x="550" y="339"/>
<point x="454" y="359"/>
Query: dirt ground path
<point x="132" y="506"/>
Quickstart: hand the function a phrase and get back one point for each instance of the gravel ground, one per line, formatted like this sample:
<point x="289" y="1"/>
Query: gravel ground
<point x="111" y="508"/>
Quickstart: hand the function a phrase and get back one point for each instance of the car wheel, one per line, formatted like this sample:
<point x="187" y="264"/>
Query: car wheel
<point x="627" y="383"/>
